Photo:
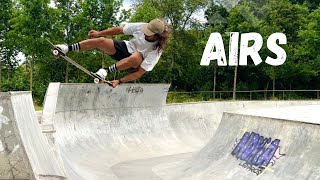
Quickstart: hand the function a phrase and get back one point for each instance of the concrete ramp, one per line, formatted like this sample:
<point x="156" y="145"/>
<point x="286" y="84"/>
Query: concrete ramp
<point x="97" y="127"/>
<point x="24" y="151"/>
<point x="255" y="147"/>
<point x="131" y="133"/>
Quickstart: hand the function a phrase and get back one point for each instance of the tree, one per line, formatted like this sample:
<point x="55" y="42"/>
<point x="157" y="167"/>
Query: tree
<point x="181" y="48"/>
<point x="311" y="4"/>
<point x="179" y="13"/>
<point x="30" y="27"/>
<point x="7" y="44"/>
<point x="242" y="19"/>
<point x="308" y="53"/>
<point x="144" y="12"/>
<point x="217" y="17"/>
<point x="289" y="19"/>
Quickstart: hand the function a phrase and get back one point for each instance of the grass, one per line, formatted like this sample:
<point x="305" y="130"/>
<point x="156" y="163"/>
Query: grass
<point x="182" y="97"/>
<point x="189" y="97"/>
<point x="38" y="108"/>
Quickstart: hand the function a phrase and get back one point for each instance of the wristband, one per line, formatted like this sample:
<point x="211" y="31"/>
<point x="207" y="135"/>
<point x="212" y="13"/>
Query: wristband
<point x="120" y="82"/>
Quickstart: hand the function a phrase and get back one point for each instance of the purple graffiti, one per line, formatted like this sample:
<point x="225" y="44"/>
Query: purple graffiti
<point x="252" y="149"/>
<point x="277" y="155"/>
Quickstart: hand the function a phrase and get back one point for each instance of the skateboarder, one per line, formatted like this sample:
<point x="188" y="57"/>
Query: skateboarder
<point x="140" y="54"/>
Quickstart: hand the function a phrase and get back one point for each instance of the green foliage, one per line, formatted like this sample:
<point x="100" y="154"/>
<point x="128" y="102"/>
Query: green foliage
<point x="145" y="12"/>
<point x="18" y="82"/>
<point x="8" y="50"/>
<point x="311" y="4"/>
<point x="26" y="24"/>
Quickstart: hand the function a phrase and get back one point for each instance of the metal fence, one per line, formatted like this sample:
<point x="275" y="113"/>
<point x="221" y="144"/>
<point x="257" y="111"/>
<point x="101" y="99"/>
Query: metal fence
<point x="246" y="95"/>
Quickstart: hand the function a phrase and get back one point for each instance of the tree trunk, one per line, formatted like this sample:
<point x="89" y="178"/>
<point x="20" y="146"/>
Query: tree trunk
<point x="214" y="80"/>
<point x="31" y="75"/>
<point x="273" y="87"/>
<point x="235" y="83"/>
<point x="67" y="73"/>
<point x="171" y="68"/>
<point x="8" y="72"/>
<point x="266" y="91"/>
<point x="290" y="85"/>
<point x="273" y="82"/>
<point x="173" y="57"/>
<point x="0" y="76"/>
<point x="78" y="74"/>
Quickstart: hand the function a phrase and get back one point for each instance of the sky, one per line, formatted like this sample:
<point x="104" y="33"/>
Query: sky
<point x="126" y="4"/>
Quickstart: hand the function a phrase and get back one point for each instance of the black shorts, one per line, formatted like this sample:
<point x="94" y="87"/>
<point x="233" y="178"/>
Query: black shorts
<point x="121" y="53"/>
<point x="121" y="50"/>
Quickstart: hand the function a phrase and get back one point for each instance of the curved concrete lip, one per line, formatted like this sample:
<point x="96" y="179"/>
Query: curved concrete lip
<point x="300" y="113"/>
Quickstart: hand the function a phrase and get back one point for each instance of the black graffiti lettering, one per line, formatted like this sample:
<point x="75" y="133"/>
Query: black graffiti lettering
<point x="257" y="171"/>
<point x="135" y="90"/>
<point x="243" y="165"/>
<point x="251" y="168"/>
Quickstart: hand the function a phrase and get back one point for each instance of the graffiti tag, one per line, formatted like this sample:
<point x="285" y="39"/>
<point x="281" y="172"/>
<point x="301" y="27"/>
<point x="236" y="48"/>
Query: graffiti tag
<point x="257" y="151"/>
<point x="134" y="89"/>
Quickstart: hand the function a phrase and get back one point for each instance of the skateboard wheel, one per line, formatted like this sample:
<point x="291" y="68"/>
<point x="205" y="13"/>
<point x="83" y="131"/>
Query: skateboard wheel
<point x="96" y="80"/>
<point x="55" y="52"/>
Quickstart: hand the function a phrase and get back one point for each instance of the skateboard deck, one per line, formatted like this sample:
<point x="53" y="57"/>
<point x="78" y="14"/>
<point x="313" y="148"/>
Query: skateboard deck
<point x="58" y="53"/>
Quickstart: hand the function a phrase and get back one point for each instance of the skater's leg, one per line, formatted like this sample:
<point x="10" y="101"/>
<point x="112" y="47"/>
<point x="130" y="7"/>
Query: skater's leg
<point x="132" y="61"/>
<point x="104" y="44"/>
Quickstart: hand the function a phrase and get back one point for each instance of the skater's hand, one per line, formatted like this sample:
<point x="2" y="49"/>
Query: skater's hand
<point x="93" y="33"/>
<point x="114" y="83"/>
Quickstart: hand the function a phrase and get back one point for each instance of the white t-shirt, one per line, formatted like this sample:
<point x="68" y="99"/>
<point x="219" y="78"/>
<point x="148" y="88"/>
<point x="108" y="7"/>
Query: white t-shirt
<point x="139" y="44"/>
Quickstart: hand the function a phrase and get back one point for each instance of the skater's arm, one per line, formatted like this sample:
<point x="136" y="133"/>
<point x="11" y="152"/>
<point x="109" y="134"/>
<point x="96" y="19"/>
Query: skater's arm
<point x="133" y="76"/>
<point x="129" y="77"/>
<point x="106" y="32"/>
<point x="112" y="31"/>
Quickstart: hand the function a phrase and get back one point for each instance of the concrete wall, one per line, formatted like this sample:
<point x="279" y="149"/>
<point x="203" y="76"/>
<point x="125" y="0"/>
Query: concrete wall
<point x="24" y="151"/>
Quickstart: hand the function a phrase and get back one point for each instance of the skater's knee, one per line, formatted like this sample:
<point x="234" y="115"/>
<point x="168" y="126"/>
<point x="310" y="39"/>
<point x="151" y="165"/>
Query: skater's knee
<point x="100" y="41"/>
<point x="135" y="59"/>
<point x="105" y="45"/>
